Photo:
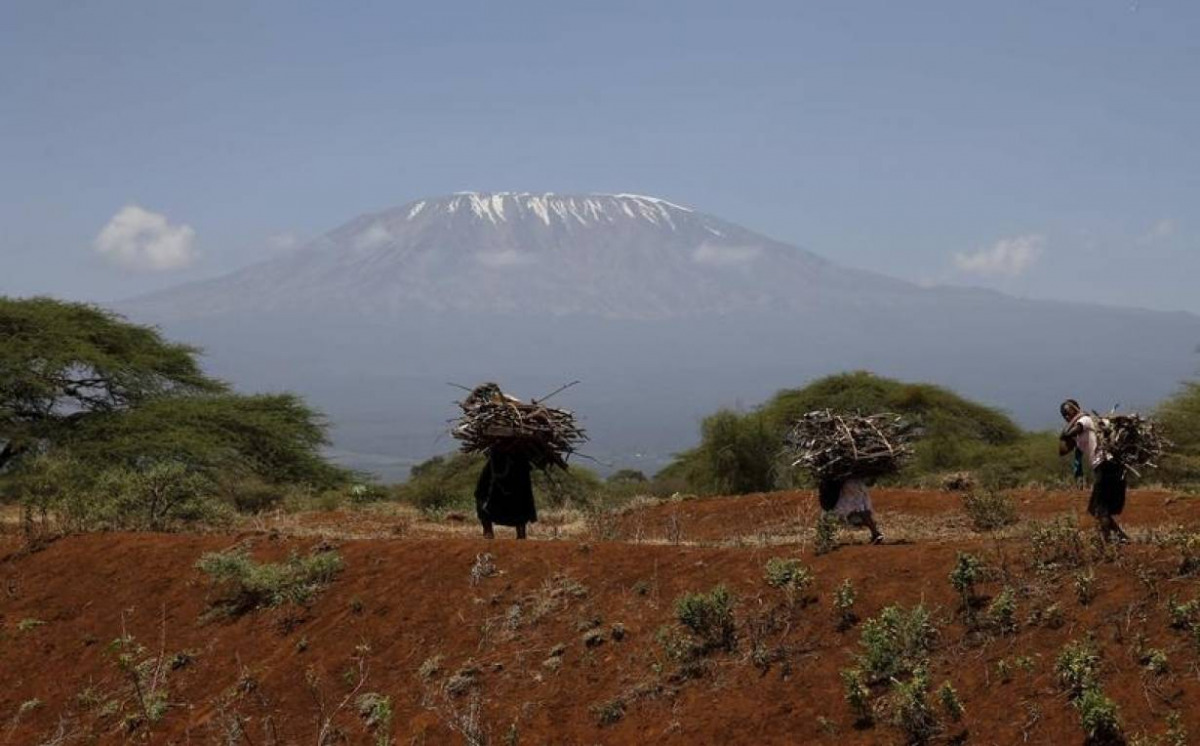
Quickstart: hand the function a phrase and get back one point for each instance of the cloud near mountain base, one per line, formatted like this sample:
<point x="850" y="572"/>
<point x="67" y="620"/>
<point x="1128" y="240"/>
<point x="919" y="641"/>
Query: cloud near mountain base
<point x="1008" y="257"/>
<point x="138" y="239"/>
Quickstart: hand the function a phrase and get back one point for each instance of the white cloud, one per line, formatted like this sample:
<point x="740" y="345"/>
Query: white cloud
<point x="504" y="258"/>
<point x="725" y="256"/>
<point x="139" y="239"/>
<point x="1009" y="257"/>
<point x="376" y="235"/>
<point x="1161" y="230"/>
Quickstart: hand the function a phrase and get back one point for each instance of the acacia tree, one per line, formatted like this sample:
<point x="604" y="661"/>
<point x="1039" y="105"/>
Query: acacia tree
<point x="84" y="382"/>
<point x="63" y="363"/>
<point x="1180" y="416"/>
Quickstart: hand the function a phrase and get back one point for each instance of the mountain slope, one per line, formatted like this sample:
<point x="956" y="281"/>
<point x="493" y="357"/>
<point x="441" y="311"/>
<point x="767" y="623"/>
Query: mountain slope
<point x="665" y="314"/>
<point x="615" y="256"/>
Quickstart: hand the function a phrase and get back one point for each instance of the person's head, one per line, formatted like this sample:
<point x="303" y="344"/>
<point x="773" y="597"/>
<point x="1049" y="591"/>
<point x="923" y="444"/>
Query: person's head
<point x="1070" y="409"/>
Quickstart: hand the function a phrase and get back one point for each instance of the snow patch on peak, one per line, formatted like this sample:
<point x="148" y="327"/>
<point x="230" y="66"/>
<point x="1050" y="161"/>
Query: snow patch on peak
<point x="581" y="209"/>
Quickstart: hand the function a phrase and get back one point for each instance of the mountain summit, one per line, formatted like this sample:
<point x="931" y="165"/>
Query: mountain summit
<point x="608" y="255"/>
<point x="664" y="312"/>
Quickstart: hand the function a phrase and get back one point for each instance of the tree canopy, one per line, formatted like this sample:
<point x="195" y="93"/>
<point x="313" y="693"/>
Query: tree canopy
<point x="740" y="452"/>
<point x="1180" y="417"/>
<point x="82" y="382"/>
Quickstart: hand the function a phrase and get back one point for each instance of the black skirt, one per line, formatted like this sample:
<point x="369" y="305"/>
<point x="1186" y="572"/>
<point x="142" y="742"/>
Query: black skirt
<point x="1108" y="493"/>
<point x="504" y="493"/>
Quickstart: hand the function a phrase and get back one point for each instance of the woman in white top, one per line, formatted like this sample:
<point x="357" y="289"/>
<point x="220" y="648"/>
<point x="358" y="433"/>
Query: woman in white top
<point x="850" y="501"/>
<point x="1109" y="487"/>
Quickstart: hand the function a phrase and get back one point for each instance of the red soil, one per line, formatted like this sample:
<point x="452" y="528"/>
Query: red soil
<point x="409" y="599"/>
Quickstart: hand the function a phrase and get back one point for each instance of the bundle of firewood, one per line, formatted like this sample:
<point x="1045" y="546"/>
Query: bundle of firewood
<point x="491" y="419"/>
<point x="836" y="445"/>
<point x="1131" y="440"/>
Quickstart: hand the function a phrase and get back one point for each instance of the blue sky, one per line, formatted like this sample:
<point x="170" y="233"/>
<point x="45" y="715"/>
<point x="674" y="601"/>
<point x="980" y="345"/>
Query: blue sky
<point x="1044" y="148"/>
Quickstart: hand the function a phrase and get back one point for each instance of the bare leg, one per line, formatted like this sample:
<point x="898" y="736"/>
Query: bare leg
<point x="521" y="531"/>
<point x="876" y="534"/>
<point x="488" y="531"/>
<point x="1109" y="526"/>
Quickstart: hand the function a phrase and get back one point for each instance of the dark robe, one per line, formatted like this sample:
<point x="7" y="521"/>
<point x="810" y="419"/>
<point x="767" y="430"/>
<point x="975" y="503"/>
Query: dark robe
<point x="829" y="491"/>
<point x="1108" y="492"/>
<point x="504" y="493"/>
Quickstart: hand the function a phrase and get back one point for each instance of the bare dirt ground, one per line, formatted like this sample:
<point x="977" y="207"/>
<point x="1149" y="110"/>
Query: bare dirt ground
<point x="561" y="643"/>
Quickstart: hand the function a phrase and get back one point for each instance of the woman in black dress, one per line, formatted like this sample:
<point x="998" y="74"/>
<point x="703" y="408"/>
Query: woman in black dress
<point x="504" y="493"/>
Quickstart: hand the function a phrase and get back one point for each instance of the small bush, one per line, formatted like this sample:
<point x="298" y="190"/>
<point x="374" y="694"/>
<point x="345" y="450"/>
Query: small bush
<point x="1099" y="716"/>
<point x="1002" y="613"/>
<point x="896" y="642"/>
<point x="430" y="668"/>
<point x="366" y="493"/>
<point x="968" y="569"/>
<point x="911" y="712"/>
<point x="858" y="696"/>
<point x="1155" y="661"/>
<point x="432" y="498"/>
<point x="950" y="702"/>
<point x="1184" y="616"/>
<point x="790" y="576"/>
<point x="376" y="710"/>
<point x="1057" y="544"/>
<point x="826" y="533"/>
<point x="710" y="617"/>
<point x="1085" y="587"/>
<point x="1078" y="667"/>
<point x="843" y="604"/>
<point x="989" y="511"/>
<point x="252" y="585"/>
<point x="959" y="481"/>
<point x="610" y="712"/>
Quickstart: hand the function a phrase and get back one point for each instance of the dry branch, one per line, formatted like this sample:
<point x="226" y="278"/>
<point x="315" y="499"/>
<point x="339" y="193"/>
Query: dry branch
<point x="492" y="419"/>
<point x="835" y="445"/>
<point x="1131" y="440"/>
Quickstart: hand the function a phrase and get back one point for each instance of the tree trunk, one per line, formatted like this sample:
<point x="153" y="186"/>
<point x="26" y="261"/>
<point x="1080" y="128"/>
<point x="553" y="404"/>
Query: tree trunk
<point x="8" y="453"/>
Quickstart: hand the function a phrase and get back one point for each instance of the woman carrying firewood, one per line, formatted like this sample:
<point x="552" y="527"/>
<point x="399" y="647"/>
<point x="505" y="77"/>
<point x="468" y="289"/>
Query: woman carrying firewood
<point x="504" y="493"/>
<point x="516" y="437"/>
<point x="1109" y="487"/>
<point x="850" y="501"/>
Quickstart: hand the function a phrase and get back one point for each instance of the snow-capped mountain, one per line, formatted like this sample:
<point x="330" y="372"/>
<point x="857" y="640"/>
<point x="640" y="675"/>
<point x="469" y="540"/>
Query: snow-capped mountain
<point x="664" y="312"/>
<point x="614" y="256"/>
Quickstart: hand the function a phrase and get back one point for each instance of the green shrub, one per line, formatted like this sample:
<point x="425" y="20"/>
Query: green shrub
<point x="896" y="642"/>
<point x="911" y="712"/>
<point x="790" y="576"/>
<point x="376" y="711"/>
<point x="710" y="617"/>
<point x="1002" y="613"/>
<point x="843" y="604"/>
<point x="1078" y="667"/>
<point x="610" y="712"/>
<point x="826" y="533"/>
<point x="1057" y="544"/>
<point x="251" y="585"/>
<point x="1180" y="419"/>
<point x="738" y="454"/>
<point x="252" y="496"/>
<point x="154" y="496"/>
<point x="1155" y="661"/>
<point x="858" y="696"/>
<point x="1099" y="716"/>
<point x="1085" y="587"/>
<point x="968" y="570"/>
<point x="950" y="702"/>
<point x="989" y="511"/>
<point x="1184" y="615"/>
<point x="365" y="493"/>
